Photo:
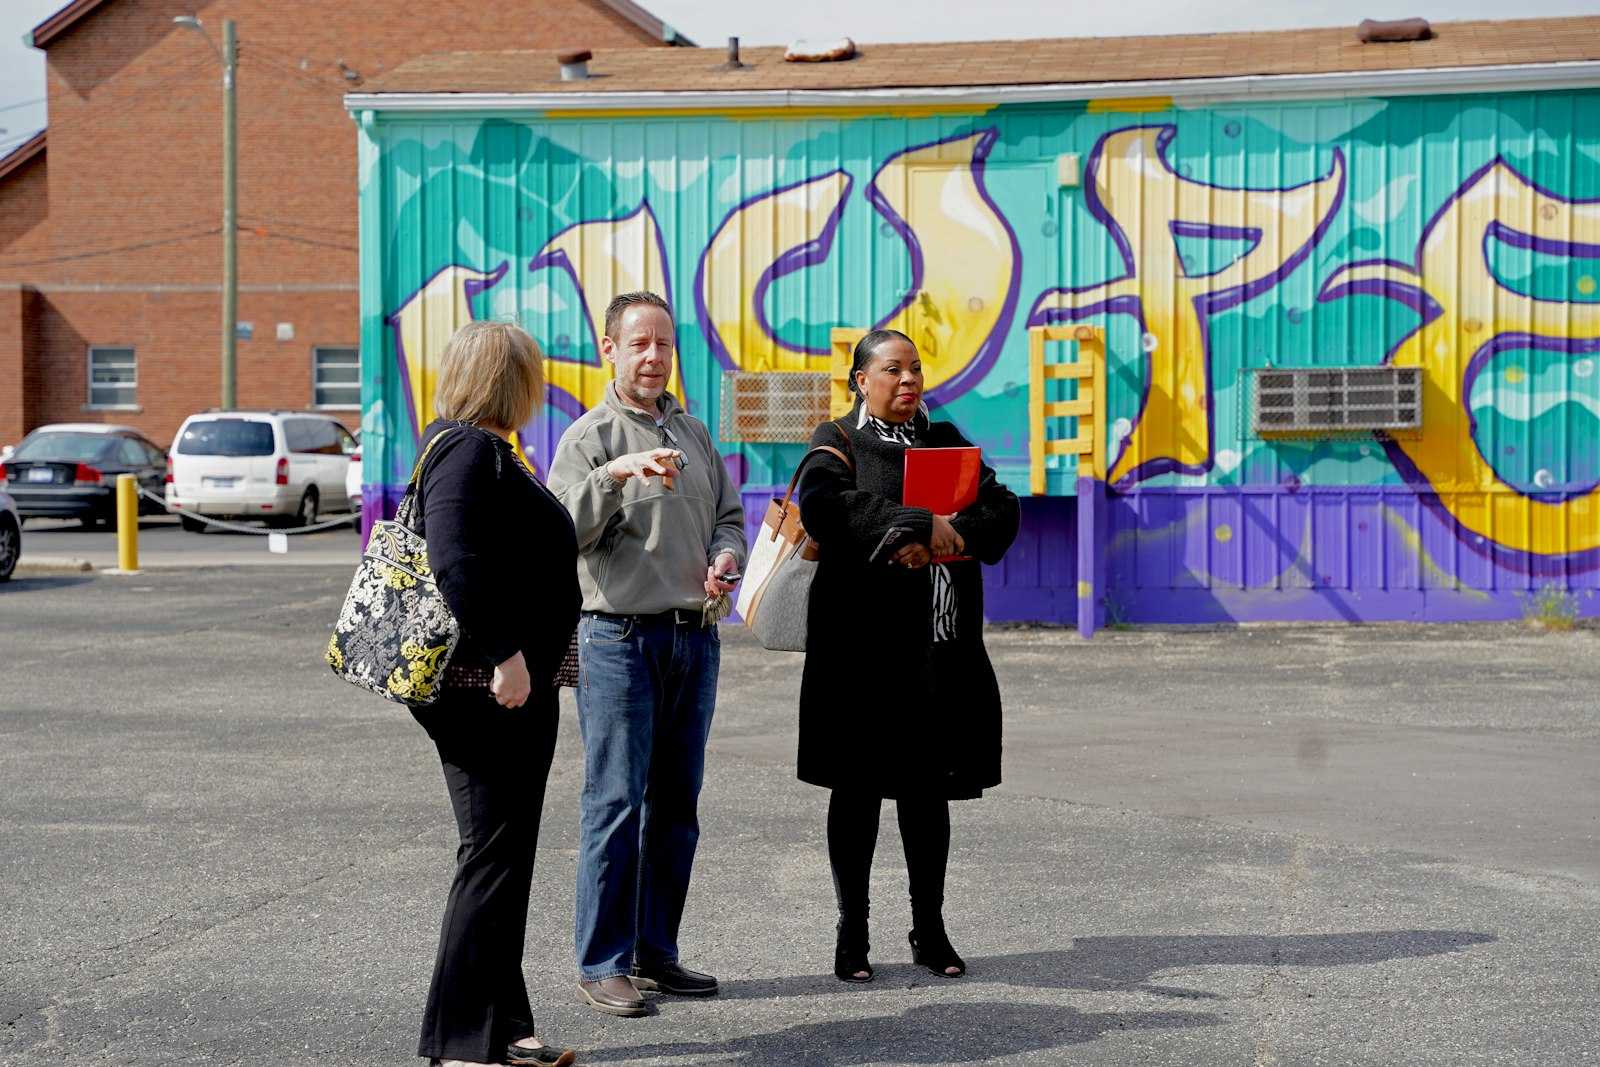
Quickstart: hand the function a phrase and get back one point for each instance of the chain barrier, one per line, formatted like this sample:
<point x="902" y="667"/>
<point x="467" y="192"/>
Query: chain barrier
<point x="240" y="527"/>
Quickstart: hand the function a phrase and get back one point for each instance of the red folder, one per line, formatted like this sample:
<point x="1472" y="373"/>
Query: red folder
<point x="943" y="480"/>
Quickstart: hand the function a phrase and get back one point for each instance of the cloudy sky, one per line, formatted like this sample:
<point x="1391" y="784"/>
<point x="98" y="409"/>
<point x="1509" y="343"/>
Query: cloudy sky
<point x="711" y="22"/>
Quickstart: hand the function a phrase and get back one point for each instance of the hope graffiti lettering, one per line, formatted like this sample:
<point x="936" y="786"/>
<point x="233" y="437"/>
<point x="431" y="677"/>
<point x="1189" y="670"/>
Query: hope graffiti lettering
<point x="965" y="270"/>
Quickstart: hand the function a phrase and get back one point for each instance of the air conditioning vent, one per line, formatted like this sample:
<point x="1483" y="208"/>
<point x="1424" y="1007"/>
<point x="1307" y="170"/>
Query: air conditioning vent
<point x="1327" y="402"/>
<point x="774" y="407"/>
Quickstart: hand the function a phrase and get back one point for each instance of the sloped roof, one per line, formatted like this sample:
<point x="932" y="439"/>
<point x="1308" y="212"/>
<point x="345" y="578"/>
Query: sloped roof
<point x="69" y="15"/>
<point x="1089" y="60"/>
<point x="19" y="155"/>
<point x="61" y="21"/>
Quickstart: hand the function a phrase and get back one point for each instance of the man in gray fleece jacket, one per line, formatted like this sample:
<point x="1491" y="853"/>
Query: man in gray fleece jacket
<point x="659" y="526"/>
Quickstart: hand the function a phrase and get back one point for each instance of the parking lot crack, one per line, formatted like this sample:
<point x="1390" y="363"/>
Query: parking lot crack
<point x="1267" y="993"/>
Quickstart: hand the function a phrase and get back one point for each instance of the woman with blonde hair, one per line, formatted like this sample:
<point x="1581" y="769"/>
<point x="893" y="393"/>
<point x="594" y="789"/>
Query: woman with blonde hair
<point x="506" y="559"/>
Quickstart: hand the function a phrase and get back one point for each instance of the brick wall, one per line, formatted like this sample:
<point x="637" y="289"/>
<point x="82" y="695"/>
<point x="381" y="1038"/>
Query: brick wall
<point x="13" y="305"/>
<point x="120" y="234"/>
<point x="178" y="348"/>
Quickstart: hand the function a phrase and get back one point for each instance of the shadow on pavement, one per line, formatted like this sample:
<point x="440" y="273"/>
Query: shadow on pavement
<point x="23" y="582"/>
<point x="927" y="1033"/>
<point x="1130" y="963"/>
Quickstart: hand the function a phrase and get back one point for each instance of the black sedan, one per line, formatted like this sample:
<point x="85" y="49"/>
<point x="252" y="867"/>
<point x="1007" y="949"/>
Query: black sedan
<point x="69" y="470"/>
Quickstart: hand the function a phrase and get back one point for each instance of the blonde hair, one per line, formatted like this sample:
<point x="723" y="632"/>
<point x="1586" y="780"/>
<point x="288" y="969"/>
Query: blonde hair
<point x="491" y="373"/>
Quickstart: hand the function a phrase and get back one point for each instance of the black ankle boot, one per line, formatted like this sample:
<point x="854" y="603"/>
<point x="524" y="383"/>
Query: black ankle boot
<point x="850" y="951"/>
<point x="931" y="948"/>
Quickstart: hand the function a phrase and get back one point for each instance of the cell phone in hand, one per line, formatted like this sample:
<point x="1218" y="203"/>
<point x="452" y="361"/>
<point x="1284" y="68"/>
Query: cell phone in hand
<point x="730" y="577"/>
<point x="891" y="541"/>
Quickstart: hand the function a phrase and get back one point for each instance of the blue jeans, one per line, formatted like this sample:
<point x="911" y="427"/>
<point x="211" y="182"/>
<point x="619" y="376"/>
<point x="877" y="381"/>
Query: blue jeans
<point x="646" y="691"/>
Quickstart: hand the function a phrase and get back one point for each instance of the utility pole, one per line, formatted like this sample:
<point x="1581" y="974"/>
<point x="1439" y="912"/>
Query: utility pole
<point x="230" y="222"/>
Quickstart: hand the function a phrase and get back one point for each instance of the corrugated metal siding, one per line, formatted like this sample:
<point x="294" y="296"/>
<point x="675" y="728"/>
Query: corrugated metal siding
<point x="1296" y="229"/>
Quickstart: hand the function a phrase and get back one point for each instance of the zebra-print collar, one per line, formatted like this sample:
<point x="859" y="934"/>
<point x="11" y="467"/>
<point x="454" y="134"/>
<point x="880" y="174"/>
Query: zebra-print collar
<point x="904" y="433"/>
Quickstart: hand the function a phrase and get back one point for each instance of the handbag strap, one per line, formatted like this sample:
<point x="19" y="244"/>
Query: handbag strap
<point x="795" y="480"/>
<point x="408" y="502"/>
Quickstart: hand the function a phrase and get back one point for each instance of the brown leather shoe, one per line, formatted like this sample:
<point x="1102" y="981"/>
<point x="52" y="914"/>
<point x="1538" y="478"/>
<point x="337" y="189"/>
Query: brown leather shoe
<point x="676" y="979"/>
<point x="614" y="996"/>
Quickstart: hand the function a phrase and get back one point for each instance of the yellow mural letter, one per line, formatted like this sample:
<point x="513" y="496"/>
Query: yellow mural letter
<point x="423" y="326"/>
<point x="744" y="259"/>
<point x="1470" y="317"/>
<point x="965" y="262"/>
<point x="605" y="258"/>
<point x="1147" y="207"/>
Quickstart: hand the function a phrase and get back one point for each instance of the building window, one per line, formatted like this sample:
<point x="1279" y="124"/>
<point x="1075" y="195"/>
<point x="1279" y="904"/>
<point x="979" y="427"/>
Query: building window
<point x="336" y="376"/>
<point x="113" y="376"/>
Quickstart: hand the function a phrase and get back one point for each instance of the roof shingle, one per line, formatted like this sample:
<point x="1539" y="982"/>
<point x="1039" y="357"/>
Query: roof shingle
<point x="1518" y="42"/>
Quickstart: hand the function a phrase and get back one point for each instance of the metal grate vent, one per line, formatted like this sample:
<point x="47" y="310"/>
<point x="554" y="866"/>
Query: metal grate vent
<point x="774" y="407"/>
<point x="1324" y="402"/>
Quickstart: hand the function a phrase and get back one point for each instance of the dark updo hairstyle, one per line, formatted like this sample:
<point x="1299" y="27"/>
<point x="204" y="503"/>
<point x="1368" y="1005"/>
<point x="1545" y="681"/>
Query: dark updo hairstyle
<point x="868" y="347"/>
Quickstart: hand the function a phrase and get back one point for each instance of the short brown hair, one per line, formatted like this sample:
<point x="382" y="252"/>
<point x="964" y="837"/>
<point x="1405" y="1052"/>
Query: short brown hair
<point x="624" y="301"/>
<point x="492" y="373"/>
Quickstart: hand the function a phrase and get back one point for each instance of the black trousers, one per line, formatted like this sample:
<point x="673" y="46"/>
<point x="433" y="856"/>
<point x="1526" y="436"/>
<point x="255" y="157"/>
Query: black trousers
<point x="496" y="762"/>
<point x="853" y="836"/>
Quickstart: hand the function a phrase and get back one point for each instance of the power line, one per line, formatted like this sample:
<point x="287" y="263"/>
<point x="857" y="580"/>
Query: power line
<point x="5" y="265"/>
<point x="310" y="241"/>
<point x="264" y="221"/>
<point x="136" y="99"/>
<point x="91" y="243"/>
<point x="25" y="103"/>
<point x="270" y="59"/>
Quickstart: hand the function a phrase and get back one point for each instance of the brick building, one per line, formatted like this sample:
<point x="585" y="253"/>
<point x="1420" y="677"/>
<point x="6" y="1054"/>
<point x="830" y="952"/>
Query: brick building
<point x="110" y="246"/>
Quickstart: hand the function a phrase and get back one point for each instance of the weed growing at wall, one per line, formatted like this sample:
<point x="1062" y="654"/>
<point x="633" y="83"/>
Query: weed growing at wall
<point x="1551" y="608"/>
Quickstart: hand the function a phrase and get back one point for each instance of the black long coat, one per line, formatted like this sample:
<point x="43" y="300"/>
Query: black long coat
<point x="882" y="707"/>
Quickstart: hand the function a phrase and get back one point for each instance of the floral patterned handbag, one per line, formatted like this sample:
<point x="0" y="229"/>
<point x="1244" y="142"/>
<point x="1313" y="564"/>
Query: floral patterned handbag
<point x="395" y="633"/>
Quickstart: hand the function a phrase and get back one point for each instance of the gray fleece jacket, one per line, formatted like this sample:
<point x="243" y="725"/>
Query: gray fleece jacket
<point x="643" y="549"/>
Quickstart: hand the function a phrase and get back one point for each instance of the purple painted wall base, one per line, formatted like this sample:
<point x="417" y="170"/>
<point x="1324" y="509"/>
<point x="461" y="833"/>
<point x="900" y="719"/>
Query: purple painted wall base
<point x="1258" y="554"/>
<point x="378" y="502"/>
<point x="1251" y="554"/>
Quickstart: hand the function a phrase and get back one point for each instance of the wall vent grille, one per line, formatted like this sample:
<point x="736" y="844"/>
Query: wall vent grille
<point x="1318" y="402"/>
<point x="774" y="407"/>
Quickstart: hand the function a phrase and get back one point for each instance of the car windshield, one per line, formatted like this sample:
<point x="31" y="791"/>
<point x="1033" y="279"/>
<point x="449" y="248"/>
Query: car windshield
<point x="67" y="447"/>
<point x="226" y="437"/>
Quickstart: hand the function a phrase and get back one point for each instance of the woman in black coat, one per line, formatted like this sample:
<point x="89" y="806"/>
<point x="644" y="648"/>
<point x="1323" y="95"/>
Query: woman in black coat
<point x="505" y="556"/>
<point x="898" y="698"/>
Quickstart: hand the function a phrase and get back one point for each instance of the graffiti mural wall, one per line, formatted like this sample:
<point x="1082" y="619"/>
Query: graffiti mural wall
<point x="1459" y="235"/>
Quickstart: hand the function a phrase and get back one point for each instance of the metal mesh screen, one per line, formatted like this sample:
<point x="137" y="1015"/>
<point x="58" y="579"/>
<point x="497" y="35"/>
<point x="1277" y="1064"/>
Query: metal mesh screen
<point x="774" y="407"/>
<point x="1333" y="402"/>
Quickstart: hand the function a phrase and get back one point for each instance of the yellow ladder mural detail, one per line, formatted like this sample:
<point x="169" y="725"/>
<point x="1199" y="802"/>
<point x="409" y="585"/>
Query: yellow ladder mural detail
<point x="1088" y="407"/>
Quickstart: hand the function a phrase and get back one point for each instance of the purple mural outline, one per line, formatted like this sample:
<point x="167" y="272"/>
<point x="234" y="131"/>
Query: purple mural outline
<point x="1205" y="231"/>
<point x="1412" y="296"/>
<point x="469" y="289"/>
<point x="1516" y="560"/>
<point x="557" y="397"/>
<point x="1205" y="304"/>
<point x="1549" y="246"/>
<point x="806" y="254"/>
<point x="989" y="351"/>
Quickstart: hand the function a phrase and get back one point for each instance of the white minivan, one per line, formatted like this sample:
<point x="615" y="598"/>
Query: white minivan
<point x="281" y="466"/>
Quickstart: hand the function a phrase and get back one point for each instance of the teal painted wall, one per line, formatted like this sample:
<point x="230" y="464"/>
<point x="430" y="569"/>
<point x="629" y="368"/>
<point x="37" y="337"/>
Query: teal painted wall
<point x="1458" y="234"/>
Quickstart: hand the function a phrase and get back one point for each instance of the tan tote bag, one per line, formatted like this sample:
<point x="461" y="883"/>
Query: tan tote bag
<point x="776" y="591"/>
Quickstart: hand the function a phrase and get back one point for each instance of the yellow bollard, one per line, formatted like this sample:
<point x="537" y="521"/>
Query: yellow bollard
<point x="127" y="522"/>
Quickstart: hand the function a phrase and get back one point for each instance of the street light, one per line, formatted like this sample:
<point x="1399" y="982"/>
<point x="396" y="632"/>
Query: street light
<point x="230" y="217"/>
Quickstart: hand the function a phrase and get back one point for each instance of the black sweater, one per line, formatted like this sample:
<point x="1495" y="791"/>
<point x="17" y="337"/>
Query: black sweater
<point x="502" y="549"/>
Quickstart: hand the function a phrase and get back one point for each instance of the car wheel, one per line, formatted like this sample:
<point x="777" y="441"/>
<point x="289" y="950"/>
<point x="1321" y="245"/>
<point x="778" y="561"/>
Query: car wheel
<point x="10" y="546"/>
<point x="307" y="513"/>
<point x="193" y="525"/>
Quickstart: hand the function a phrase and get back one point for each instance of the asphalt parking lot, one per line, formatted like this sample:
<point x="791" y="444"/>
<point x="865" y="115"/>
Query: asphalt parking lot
<point x="1285" y="845"/>
<point x="55" y="544"/>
